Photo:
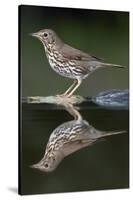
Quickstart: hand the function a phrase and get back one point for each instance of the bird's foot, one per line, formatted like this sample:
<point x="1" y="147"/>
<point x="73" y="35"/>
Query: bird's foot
<point x="60" y="95"/>
<point x="63" y="95"/>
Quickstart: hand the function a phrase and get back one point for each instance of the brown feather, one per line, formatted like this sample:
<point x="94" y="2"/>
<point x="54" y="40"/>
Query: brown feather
<point x="71" y="53"/>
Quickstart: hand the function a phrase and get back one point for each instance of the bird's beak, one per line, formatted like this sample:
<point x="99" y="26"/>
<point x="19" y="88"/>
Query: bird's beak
<point x="35" y="166"/>
<point x="34" y="34"/>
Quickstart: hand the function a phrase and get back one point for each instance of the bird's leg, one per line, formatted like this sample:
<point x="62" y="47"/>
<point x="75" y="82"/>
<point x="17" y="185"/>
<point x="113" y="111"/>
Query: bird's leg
<point x="68" y="90"/>
<point x="79" y="81"/>
<point x="73" y="111"/>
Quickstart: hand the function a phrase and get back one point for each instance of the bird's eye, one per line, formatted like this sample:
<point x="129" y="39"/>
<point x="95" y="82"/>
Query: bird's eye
<point x="46" y="165"/>
<point x="45" y="35"/>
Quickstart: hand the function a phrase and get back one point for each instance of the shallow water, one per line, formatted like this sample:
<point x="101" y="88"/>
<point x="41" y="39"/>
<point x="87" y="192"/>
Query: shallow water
<point x="103" y="165"/>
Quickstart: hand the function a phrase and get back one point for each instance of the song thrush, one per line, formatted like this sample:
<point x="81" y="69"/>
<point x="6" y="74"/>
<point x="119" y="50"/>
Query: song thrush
<point x="68" y="61"/>
<point x="68" y="138"/>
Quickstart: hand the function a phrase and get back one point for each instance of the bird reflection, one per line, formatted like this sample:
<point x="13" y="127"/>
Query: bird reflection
<point x="68" y="138"/>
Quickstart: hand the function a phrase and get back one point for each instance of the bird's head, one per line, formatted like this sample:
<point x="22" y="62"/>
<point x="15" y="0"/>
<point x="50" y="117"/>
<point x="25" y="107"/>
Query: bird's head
<point x="49" y="163"/>
<point x="47" y="37"/>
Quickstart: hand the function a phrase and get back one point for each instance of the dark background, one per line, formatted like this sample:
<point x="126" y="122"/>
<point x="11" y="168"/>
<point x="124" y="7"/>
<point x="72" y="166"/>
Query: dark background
<point x="102" y="33"/>
<point x="105" y="164"/>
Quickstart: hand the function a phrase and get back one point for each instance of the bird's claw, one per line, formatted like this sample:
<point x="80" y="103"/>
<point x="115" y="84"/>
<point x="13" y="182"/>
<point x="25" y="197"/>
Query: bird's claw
<point x="62" y="95"/>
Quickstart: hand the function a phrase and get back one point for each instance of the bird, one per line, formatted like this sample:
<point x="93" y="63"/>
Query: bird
<point x="68" y="138"/>
<point x="68" y="61"/>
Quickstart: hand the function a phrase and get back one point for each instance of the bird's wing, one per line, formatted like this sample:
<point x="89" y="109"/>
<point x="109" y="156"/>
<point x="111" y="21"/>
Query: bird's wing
<point x="71" y="53"/>
<point x="71" y="147"/>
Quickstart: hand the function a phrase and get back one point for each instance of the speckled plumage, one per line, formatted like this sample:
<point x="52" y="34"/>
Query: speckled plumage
<point x="68" y="138"/>
<point x="68" y="61"/>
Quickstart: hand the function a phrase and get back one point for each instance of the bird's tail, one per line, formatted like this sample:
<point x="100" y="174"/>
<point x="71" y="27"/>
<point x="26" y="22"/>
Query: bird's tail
<point x="112" y="65"/>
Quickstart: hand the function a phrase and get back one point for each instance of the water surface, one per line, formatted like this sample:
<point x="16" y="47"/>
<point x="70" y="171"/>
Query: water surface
<point x="103" y="165"/>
